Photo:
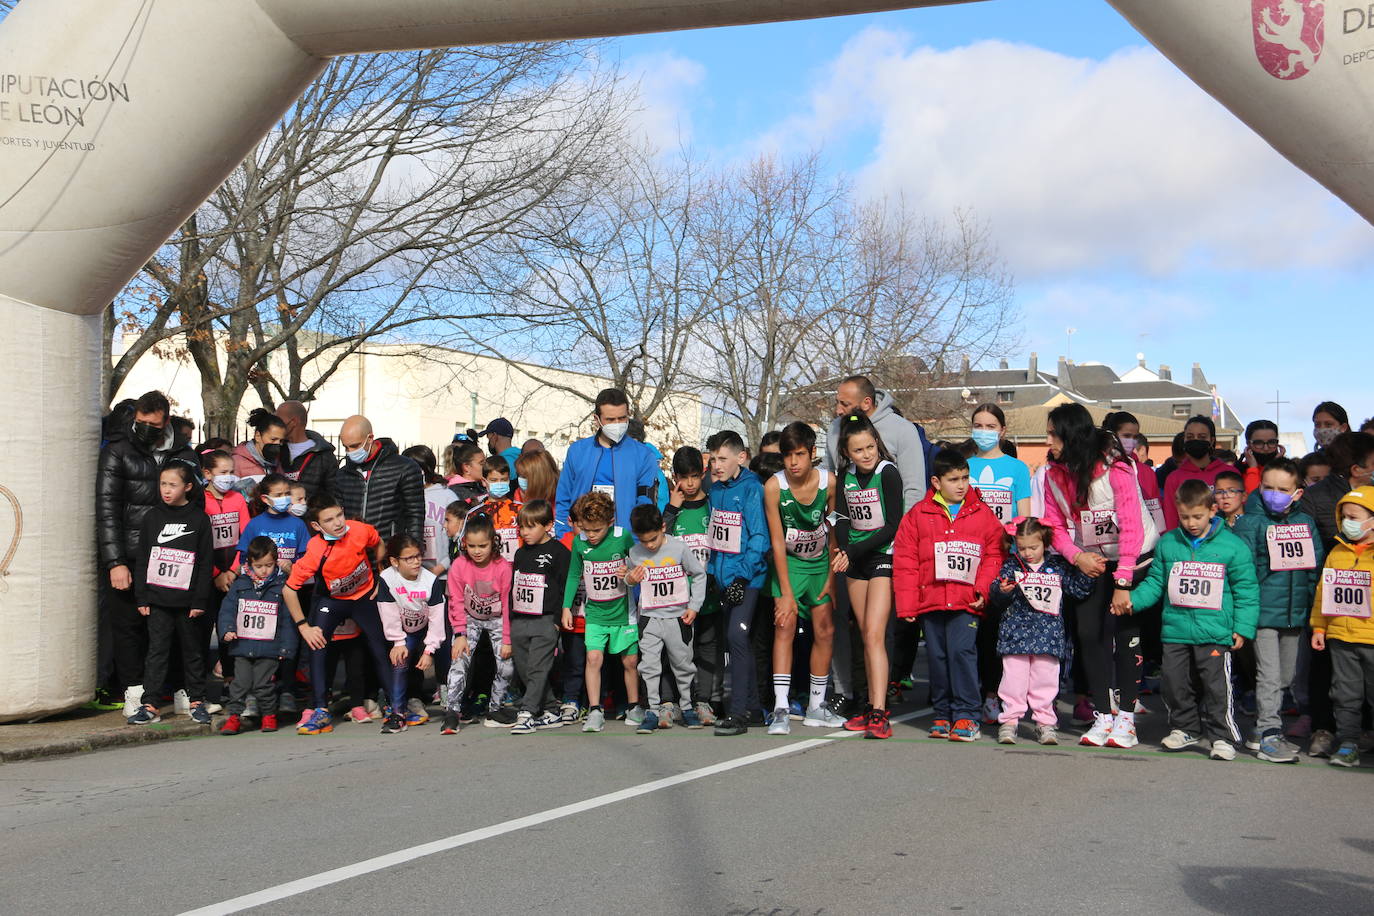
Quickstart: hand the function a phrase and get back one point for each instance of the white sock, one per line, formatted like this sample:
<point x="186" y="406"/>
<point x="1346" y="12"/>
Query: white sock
<point x="816" y="695"/>
<point x="782" y="684"/>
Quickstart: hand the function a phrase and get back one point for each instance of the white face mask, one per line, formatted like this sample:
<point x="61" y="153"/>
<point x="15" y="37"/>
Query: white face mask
<point x="224" y="482"/>
<point x="1353" y="529"/>
<point x="299" y="509"/>
<point x="615" y="431"/>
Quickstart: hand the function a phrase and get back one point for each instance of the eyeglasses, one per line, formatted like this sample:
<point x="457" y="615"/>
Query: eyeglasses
<point x="1232" y="492"/>
<point x="1264" y="443"/>
<point x="412" y="558"/>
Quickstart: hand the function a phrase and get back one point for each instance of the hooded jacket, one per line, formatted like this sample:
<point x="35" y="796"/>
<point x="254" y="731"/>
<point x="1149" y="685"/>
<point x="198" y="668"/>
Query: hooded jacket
<point x="1358" y="558"/>
<point x="314" y="469"/>
<point x="915" y="588"/>
<point x="1239" y="611"/>
<point x="903" y="444"/>
<point x="1024" y="630"/>
<point x="246" y="598"/>
<point x="743" y="494"/>
<point x="1285" y="595"/>
<point x="174" y="562"/>
<point x="1320" y="501"/>
<point x="126" y="488"/>
<point x="387" y="491"/>
<point x="633" y="469"/>
<point x="248" y="461"/>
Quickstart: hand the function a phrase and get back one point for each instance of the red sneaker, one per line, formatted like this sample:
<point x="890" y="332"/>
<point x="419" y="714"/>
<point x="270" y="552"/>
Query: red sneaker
<point x="232" y="726"/>
<point x="878" y="725"/>
<point x="269" y="723"/>
<point x="940" y="729"/>
<point x="859" y="721"/>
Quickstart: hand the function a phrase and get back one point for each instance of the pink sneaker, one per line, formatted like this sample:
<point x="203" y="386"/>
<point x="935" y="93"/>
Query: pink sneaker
<point x="1083" y="712"/>
<point x="1301" y="728"/>
<point x="358" y="714"/>
<point x="305" y="717"/>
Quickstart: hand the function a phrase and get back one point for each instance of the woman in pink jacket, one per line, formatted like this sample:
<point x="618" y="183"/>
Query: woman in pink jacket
<point x="1094" y="506"/>
<point x="1199" y="440"/>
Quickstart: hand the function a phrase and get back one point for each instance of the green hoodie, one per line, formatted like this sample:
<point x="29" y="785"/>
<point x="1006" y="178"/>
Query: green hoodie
<point x="1218" y="561"/>
<point x="1285" y="595"/>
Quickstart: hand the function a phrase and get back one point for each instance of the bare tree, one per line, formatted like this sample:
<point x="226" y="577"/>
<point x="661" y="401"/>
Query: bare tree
<point x="386" y="179"/>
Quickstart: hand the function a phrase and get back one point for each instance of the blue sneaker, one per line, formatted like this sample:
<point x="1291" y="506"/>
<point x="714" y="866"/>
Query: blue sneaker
<point x="146" y="715"/>
<point x="795" y="710"/>
<point x="690" y="718"/>
<point x="965" y="730"/>
<point x="1347" y="756"/>
<point x="319" y="723"/>
<point x="199" y="713"/>
<point x="647" y="725"/>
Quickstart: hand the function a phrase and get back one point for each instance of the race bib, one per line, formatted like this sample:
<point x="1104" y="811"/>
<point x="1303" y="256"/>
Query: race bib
<point x="727" y="531"/>
<point x="481" y="607"/>
<point x="700" y="545"/>
<point x="528" y="593"/>
<point x="414" y="621"/>
<point x="224" y="530"/>
<point x="865" y="509"/>
<point x="607" y="488"/>
<point x="603" y="580"/>
<point x="1345" y="593"/>
<point x="286" y="553"/>
<point x="1098" y="527"/>
<point x="806" y="545"/>
<point x="171" y="568"/>
<point x="957" y="561"/>
<point x="347" y="585"/>
<point x="510" y="542"/>
<point x="1197" y="585"/>
<point x="256" y="620"/>
<point x="1044" y="591"/>
<point x="1000" y="503"/>
<point x="1156" y="513"/>
<point x="663" y="586"/>
<point x="1290" y="547"/>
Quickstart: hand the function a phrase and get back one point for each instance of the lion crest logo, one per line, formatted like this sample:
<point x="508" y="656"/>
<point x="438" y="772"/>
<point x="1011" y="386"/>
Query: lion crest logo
<point x="1289" y="35"/>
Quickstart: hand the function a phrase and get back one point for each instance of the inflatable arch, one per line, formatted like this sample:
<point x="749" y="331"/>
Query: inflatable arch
<point x="119" y="117"/>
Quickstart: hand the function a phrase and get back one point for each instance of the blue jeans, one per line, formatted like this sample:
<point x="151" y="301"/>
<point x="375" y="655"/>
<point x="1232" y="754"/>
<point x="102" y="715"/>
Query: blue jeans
<point x="400" y="674"/>
<point x="952" y="647"/>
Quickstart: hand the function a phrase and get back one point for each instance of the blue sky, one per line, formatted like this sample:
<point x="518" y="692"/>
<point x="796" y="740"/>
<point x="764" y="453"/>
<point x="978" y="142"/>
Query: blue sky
<point x="1127" y="203"/>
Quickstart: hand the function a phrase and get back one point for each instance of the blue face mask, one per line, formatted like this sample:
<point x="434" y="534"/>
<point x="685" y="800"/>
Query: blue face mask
<point x="985" y="439"/>
<point x="1276" y="501"/>
<point x="500" y="488"/>
<point x="334" y="537"/>
<point x="281" y="504"/>
<point x="524" y="483"/>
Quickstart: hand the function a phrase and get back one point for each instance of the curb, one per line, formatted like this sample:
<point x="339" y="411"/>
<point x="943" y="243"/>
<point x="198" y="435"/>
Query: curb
<point x="102" y="740"/>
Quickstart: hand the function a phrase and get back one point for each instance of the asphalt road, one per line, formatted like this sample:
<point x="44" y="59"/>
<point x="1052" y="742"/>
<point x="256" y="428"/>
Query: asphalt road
<point x="839" y="826"/>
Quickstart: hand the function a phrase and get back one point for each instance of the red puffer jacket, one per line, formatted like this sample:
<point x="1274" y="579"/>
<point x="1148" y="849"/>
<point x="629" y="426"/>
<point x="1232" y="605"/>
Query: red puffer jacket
<point x="916" y="559"/>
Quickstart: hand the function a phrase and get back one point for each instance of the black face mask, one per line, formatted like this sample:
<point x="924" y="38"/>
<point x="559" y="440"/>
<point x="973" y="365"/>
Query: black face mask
<point x="1263" y="458"/>
<point x="146" y="433"/>
<point x="271" y="452"/>
<point x="1197" y="449"/>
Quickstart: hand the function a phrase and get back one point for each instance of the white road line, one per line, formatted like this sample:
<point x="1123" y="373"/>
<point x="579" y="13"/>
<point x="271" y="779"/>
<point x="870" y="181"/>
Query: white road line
<point x="401" y="856"/>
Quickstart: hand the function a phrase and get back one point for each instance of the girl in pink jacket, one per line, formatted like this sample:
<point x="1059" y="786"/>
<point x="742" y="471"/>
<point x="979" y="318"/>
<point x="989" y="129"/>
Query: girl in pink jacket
<point x="479" y="583"/>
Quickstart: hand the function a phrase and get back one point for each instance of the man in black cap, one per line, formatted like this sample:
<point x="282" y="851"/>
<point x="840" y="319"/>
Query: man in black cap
<point x="500" y="433"/>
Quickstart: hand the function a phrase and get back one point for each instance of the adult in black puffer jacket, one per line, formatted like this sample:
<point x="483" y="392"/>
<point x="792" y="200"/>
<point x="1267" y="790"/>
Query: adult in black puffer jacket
<point x="378" y="485"/>
<point x="126" y="488"/>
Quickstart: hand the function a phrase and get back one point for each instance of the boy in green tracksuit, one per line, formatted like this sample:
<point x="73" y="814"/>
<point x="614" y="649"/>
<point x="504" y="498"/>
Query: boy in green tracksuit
<point x="686" y="516"/>
<point x="1206" y="577"/>
<point x="599" y="554"/>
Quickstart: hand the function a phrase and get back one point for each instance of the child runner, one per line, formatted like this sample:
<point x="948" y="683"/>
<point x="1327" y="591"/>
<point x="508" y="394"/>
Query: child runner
<point x="1101" y="525"/>
<point x="1199" y="442"/>
<point x="479" y="582"/>
<point x="255" y="624"/>
<point x="173" y="587"/>
<point x="410" y="603"/>
<point x="947" y="553"/>
<point x="228" y="512"/>
<point x="300" y="500"/>
<point x="1288" y="557"/>
<point x="500" y="507"/>
<point x="540" y="576"/>
<point x="870" y="512"/>
<point x="687" y="516"/>
<point x="571" y="660"/>
<point x="1033" y="582"/>
<point x="1003" y="482"/>
<point x="1341" y="623"/>
<point x="799" y="500"/>
<point x="599" y="555"/>
<point x="671" y="585"/>
<point x="739" y="561"/>
<point x="274" y="519"/>
<point x="1229" y="491"/>
<point x="1206" y="578"/>
<point x="340" y="557"/>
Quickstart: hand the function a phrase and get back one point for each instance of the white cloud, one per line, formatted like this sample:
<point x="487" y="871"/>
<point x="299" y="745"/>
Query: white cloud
<point x="1078" y="164"/>
<point x="666" y="85"/>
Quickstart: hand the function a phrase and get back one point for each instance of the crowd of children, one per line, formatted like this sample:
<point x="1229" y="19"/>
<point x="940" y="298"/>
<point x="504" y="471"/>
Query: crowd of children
<point x="1231" y="584"/>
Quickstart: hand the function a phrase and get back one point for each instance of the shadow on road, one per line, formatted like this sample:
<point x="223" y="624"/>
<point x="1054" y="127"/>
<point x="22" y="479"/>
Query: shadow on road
<point x="1278" y="890"/>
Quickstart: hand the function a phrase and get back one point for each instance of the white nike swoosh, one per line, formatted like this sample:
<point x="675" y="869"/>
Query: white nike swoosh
<point x="163" y="537"/>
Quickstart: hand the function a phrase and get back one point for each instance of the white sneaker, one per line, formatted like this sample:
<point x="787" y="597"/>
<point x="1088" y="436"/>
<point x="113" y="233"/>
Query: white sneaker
<point x="213" y="708"/>
<point x="1006" y="733"/>
<point x="181" y="703"/>
<point x="416" y="706"/>
<point x="133" y="700"/>
<point x="992" y="710"/>
<point x="1097" y="735"/>
<point x="779" y="723"/>
<point x="373" y="710"/>
<point x="1177" y="740"/>
<point x="667" y="712"/>
<point x="820" y="717"/>
<point x="1222" y="750"/>
<point x="1123" y="732"/>
<point x="1140" y="708"/>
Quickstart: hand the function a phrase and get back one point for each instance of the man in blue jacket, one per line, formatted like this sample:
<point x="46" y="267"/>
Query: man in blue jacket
<point x="610" y="462"/>
<point x="739" y="549"/>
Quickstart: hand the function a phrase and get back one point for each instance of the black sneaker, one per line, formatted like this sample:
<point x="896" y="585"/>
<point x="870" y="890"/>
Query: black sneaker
<point x="730" y="726"/>
<point x="840" y="705"/>
<point x="393" y="724"/>
<point x="503" y="717"/>
<point x="450" y="726"/>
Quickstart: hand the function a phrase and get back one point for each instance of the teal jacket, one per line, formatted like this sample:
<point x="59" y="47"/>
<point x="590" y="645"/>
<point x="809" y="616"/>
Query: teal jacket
<point x="1286" y="596"/>
<point x="1239" y="598"/>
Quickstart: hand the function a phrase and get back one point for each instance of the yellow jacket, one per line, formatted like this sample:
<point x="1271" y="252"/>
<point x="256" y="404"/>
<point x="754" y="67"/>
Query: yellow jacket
<point x="1344" y="556"/>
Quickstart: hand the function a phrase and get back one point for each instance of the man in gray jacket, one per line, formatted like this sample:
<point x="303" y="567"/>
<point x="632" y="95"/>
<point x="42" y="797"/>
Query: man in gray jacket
<point x="857" y="394"/>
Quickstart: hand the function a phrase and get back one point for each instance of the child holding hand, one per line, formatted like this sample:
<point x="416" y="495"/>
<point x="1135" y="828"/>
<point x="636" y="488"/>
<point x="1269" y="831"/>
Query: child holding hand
<point x="254" y="623"/>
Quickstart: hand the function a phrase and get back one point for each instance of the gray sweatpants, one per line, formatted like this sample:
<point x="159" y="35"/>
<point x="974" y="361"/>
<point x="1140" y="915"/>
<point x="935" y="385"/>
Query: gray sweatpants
<point x="1192" y="674"/>
<point x="657" y="635"/>
<point x="1276" y="661"/>
<point x="1352" y="683"/>
<point x="533" y="639"/>
<point x="256" y="677"/>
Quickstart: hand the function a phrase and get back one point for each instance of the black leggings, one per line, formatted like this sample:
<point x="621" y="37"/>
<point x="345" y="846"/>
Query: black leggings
<point x="1106" y="642"/>
<point x="327" y="614"/>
